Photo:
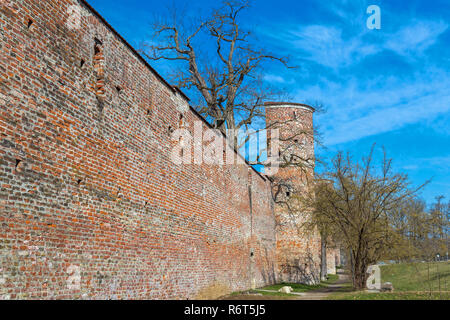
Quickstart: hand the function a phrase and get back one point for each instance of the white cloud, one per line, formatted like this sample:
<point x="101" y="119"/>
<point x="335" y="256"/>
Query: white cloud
<point x="442" y="124"/>
<point x="274" y="78"/>
<point x="411" y="167"/>
<point x="415" y="37"/>
<point x="438" y="163"/>
<point x="360" y="108"/>
<point x="387" y="119"/>
<point x="357" y="110"/>
<point x="327" y="46"/>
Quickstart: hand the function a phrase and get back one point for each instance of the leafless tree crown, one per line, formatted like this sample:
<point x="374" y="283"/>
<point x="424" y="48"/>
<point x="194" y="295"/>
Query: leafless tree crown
<point x="228" y="77"/>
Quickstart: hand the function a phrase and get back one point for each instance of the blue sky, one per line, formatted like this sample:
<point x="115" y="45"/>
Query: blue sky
<point x="390" y="86"/>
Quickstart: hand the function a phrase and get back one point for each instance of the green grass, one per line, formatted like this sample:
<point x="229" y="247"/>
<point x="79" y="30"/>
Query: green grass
<point x="412" y="281"/>
<point x="273" y="294"/>
<point x="390" y="296"/>
<point x="297" y="287"/>
<point x="238" y="293"/>
<point x="414" y="276"/>
<point x="332" y="278"/>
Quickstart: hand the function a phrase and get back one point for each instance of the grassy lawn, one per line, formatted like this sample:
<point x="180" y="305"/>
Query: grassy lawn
<point x="389" y="296"/>
<point x="412" y="281"/>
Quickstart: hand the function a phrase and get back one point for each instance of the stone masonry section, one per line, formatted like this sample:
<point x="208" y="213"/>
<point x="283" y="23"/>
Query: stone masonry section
<point x="91" y="205"/>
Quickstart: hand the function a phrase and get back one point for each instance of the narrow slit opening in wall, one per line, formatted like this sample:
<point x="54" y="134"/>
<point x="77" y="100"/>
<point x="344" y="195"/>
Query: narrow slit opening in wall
<point x="97" y="46"/>
<point x="82" y="62"/>
<point x="18" y="161"/>
<point x="181" y="123"/>
<point x="79" y="181"/>
<point x="148" y="112"/>
<point x="99" y="70"/>
<point x="118" y="88"/>
<point x="98" y="42"/>
<point x="30" y="23"/>
<point x="100" y="105"/>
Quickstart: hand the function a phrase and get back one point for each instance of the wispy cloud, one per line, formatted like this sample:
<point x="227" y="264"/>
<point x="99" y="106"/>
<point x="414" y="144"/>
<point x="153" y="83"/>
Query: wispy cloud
<point x="438" y="164"/>
<point x="362" y="106"/>
<point x="387" y="119"/>
<point x="415" y="37"/>
<point x="326" y="45"/>
<point x="357" y="110"/>
<point x="410" y="167"/>
<point x="277" y="79"/>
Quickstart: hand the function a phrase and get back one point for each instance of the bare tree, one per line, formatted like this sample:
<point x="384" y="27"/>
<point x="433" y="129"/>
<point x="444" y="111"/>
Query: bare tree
<point x="439" y="227"/>
<point x="360" y="206"/>
<point x="219" y="59"/>
<point x="222" y="66"/>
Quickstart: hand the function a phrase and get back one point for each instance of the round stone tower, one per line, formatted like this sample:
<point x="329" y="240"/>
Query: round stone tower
<point x="298" y="249"/>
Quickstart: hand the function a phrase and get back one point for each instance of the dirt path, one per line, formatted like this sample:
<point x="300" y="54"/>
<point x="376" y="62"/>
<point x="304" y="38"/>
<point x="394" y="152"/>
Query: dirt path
<point x="322" y="293"/>
<point x="317" y="294"/>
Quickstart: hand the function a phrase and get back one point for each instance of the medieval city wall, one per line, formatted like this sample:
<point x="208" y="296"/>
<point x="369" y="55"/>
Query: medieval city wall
<point x="91" y="204"/>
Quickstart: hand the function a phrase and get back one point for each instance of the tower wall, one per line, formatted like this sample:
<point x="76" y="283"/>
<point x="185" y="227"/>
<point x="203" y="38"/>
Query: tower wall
<point x="297" y="249"/>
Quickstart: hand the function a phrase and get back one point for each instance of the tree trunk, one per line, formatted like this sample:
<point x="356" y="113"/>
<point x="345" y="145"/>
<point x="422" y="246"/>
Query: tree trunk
<point x="360" y="276"/>
<point x="352" y="266"/>
<point x="323" y="264"/>
<point x="358" y="269"/>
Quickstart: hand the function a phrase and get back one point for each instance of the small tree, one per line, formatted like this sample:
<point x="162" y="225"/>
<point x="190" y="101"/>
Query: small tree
<point x="359" y="205"/>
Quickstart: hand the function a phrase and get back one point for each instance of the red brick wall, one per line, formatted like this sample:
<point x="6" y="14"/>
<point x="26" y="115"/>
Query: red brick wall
<point x="87" y="187"/>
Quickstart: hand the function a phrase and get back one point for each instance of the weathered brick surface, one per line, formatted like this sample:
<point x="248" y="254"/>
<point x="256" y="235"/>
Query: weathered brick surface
<point x="333" y="260"/>
<point x="87" y="187"/>
<point x="298" y="250"/>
